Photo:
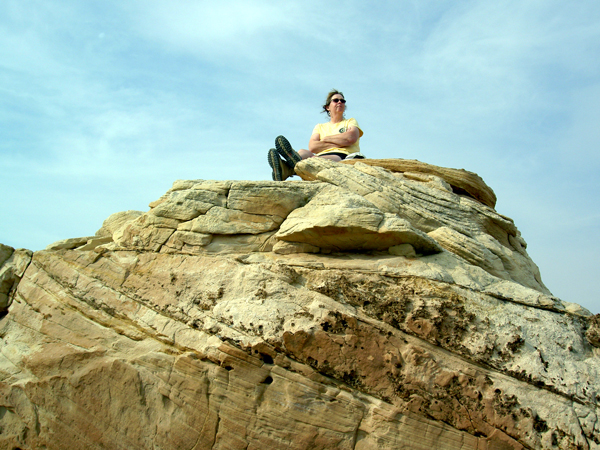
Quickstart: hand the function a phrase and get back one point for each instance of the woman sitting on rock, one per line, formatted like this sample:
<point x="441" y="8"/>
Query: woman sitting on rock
<point x="335" y="140"/>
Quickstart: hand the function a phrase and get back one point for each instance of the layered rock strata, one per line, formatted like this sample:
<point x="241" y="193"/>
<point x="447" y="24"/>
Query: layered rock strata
<point x="359" y="308"/>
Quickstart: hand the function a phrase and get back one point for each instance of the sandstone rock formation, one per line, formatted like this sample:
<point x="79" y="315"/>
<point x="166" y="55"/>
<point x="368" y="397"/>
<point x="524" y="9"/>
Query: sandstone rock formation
<point x="462" y="181"/>
<point x="360" y="308"/>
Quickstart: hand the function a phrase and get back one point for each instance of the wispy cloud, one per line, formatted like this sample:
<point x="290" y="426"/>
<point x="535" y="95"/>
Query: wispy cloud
<point x="231" y="30"/>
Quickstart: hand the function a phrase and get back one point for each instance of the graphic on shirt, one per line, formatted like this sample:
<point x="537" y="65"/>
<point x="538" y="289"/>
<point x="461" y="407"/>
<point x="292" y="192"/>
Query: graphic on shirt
<point x="342" y="130"/>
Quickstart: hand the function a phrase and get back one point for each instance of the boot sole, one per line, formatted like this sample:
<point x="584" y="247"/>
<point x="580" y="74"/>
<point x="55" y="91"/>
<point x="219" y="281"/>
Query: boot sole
<point x="273" y="158"/>
<point x="290" y="157"/>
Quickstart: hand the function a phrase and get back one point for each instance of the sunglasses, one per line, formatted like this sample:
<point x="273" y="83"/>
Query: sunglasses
<point x="337" y="100"/>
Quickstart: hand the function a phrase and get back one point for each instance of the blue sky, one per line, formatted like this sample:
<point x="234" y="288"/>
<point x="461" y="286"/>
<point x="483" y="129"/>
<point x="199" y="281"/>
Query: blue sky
<point x="103" y="104"/>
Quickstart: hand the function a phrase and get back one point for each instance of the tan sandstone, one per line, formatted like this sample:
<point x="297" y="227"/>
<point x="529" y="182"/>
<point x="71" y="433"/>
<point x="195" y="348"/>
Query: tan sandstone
<point x="360" y="308"/>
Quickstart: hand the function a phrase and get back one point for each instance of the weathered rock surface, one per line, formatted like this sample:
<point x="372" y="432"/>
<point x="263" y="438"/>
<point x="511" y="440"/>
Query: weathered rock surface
<point x="12" y="266"/>
<point x="461" y="181"/>
<point x="363" y="309"/>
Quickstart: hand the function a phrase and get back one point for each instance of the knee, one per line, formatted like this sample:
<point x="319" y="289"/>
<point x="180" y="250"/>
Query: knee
<point x="306" y="154"/>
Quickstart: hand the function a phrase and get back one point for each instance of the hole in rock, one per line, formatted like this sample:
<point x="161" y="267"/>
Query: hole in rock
<point x="266" y="358"/>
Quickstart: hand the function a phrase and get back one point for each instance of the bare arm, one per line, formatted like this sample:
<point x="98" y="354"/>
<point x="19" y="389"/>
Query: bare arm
<point x="346" y="139"/>
<point x="316" y="145"/>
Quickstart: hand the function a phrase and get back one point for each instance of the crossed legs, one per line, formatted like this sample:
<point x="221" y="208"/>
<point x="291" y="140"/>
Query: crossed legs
<point x="283" y="158"/>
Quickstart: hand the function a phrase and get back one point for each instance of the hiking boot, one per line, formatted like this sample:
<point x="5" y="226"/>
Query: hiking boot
<point x="286" y="151"/>
<point x="281" y="171"/>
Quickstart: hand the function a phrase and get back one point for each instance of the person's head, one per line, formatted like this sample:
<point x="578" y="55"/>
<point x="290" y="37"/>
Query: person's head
<point x="334" y="96"/>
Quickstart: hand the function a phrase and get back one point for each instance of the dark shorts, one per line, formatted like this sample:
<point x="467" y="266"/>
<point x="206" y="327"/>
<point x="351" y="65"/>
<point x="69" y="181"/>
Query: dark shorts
<point x="341" y="155"/>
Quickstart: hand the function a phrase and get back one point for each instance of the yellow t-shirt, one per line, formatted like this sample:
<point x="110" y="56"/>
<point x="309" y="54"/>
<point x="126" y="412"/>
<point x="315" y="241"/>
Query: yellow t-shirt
<point x="329" y="129"/>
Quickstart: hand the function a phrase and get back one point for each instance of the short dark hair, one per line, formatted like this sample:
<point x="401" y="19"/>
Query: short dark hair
<point x="328" y="100"/>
